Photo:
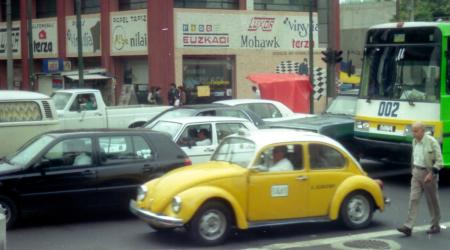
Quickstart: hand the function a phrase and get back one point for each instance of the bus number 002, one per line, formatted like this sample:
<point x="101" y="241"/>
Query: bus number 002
<point x="388" y="109"/>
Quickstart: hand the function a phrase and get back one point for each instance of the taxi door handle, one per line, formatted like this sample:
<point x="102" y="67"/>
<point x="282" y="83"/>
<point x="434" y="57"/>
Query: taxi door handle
<point x="302" y="178"/>
<point x="209" y="150"/>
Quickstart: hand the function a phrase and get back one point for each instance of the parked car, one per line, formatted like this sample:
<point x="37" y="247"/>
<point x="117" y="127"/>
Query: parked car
<point x="85" y="108"/>
<point x="207" y="110"/>
<point x="248" y="184"/>
<point x="79" y="169"/>
<point x="200" y="136"/>
<point x="336" y="122"/>
<point x="268" y="110"/>
<point x="23" y="115"/>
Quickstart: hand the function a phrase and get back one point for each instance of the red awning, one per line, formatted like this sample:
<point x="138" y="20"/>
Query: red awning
<point x="293" y="90"/>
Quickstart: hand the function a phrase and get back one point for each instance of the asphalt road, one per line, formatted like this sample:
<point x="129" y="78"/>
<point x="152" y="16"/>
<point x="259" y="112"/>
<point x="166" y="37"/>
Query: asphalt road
<point x="119" y="230"/>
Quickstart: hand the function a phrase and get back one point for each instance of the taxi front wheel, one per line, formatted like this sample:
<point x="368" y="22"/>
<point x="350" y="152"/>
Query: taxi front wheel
<point x="211" y="224"/>
<point x="357" y="210"/>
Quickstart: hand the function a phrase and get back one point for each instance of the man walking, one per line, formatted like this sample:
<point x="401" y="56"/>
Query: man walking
<point x="426" y="162"/>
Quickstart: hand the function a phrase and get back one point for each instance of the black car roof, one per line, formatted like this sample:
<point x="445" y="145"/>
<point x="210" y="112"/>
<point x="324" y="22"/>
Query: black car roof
<point x="101" y="131"/>
<point x="202" y="106"/>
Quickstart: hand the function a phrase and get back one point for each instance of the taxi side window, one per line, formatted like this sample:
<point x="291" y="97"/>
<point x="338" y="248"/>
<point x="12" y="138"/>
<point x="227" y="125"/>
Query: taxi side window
<point x="281" y="158"/>
<point x="196" y="135"/>
<point x="325" y="157"/>
<point x="226" y="129"/>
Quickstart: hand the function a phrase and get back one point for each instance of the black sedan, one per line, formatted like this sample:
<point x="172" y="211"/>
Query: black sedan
<point x="79" y="169"/>
<point x="336" y="122"/>
<point x="207" y="110"/>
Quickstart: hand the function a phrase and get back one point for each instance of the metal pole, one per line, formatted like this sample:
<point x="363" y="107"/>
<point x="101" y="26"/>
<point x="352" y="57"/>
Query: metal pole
<point x="30" y="43"/>
<point x="9" y="55"/>
<point x="80" y="46"/>
<point x="311" y="56"/>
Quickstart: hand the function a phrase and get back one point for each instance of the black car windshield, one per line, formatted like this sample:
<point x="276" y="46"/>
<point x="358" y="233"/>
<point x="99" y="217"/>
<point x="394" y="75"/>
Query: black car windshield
<point x="343" y="105"/>
<point x="401" y="72"/>
<point x="26" y="154"/>
<point x="237" y="151"/>
<point x="61" y="100"/>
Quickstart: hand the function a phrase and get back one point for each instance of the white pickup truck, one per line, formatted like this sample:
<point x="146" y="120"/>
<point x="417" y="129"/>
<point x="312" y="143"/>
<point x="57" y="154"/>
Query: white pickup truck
<point x="85" y="108"/>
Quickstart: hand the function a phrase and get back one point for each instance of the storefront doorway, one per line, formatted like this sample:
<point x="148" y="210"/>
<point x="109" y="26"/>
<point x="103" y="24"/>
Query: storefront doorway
<point x="208" y="78"/>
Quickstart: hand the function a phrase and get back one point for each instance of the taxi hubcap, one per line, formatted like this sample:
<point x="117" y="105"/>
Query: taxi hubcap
<point x="212" y="225"/>
<point x="358" y="209"/>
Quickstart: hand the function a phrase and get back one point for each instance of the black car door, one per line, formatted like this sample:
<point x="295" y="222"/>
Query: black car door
<point x="123" y="162"/>
<point x="66" y="176"/>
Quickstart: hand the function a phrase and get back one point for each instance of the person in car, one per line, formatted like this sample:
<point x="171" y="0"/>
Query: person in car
<point x="280" y="162"/>
<point x="203" y="138"/>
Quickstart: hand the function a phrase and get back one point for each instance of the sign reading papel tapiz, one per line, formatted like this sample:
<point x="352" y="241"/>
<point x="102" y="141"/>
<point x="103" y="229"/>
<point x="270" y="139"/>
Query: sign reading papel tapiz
<point x="129" y="33"/>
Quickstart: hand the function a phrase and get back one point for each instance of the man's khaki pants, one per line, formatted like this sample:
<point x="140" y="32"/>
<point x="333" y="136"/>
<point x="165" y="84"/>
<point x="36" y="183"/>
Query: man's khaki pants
<point x="418" y="186"/>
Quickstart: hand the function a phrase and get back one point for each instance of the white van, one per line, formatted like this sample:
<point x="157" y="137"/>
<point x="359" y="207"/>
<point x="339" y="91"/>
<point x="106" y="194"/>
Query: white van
<point x="23" y="115"/>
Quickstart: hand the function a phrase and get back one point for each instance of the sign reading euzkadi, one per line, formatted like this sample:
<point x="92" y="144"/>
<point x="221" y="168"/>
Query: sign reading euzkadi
<point x="15" y="34"/>
<point x="129" y="33"/>
<point x="90" y="35"/>
<point x="45" y="38"/>
<point x="244" y="31"/>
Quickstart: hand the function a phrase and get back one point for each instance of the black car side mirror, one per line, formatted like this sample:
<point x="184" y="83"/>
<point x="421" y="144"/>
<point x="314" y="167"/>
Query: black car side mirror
<point x="41" y="165"/>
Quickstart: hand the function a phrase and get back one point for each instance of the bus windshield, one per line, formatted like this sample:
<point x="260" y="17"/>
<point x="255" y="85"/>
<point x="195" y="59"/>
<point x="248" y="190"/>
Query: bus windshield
<point x="401" y="72"/>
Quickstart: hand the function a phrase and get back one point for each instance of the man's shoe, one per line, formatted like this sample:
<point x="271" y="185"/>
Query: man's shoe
<point x="434" y="229"/>
<point x="405" y="230"/>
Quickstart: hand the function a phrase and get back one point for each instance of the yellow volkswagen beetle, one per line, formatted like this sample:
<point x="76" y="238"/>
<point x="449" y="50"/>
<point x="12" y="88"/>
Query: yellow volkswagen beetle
<point x="262" y="178"/>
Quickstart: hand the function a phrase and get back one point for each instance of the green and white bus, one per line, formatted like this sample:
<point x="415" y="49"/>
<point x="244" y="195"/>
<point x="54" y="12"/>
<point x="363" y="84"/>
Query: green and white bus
<point x="405" y="78"/>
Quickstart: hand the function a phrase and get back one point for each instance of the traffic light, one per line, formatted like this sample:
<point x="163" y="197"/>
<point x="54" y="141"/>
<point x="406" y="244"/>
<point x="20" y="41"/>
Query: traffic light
<point x="328" y="56"/>
<point x="337" y="56"/>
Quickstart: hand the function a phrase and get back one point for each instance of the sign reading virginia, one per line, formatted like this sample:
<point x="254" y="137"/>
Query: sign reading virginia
<point x="90" y="35"/>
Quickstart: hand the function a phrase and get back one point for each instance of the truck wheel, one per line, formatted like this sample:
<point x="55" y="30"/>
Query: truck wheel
<point x="356" y="210"/>
<point x="211" y="224"/>
<point x="9" y="209"/>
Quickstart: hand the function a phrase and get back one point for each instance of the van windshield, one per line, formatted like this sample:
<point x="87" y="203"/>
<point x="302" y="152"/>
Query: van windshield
<point x="61" y="100"/>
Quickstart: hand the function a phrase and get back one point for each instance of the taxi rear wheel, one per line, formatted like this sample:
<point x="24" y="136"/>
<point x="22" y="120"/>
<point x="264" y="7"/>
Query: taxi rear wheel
<point x="357" y="210"/>
<point x="211" y="224"/>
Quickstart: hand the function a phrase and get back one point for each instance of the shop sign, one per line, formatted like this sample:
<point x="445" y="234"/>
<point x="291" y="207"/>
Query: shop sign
<point x="90" y="34"/>
<point x="52" y="65"/>
<point x="45" y="39"/>
<point x="15" y="34"/>
<point x="129" y="33"/>
<point x="244" y="31"/>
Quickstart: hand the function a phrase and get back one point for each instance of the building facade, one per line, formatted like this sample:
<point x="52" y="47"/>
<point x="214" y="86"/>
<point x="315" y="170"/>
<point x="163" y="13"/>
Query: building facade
<point x="207" y="46"/>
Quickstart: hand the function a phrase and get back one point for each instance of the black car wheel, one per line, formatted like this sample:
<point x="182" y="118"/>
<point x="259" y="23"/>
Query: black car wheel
<point x="211" y="224"/>
<point x="356" y="210"/>
<point x="9" y="209"/>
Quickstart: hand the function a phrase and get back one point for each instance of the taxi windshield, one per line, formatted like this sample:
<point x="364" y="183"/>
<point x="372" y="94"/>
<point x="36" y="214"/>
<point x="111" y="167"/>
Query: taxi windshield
<point x="237" y="151"/>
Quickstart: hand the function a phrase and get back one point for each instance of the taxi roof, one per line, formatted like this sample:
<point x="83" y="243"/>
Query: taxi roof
<point x="196" y="119"/>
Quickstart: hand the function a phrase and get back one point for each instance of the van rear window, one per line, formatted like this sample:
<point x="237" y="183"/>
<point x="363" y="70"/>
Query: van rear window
<point x="20" y="112"/>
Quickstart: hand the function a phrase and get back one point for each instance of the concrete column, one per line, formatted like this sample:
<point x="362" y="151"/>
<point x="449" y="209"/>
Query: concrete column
<point x="160" y="15"/>
<point x="24" y="45"/>
<point x="3" y="80"/>
<point x="63" y="9"/>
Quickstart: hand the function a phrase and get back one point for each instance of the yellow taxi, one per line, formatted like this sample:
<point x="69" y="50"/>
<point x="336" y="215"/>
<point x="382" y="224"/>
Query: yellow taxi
<point x="262" y="178"/>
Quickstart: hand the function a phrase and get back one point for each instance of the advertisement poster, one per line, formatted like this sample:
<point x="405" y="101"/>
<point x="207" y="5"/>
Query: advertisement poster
<point x="129" y="33"/>
<point x="91" y="35"/>
<point x="45" y="38"/>
<point x="244" y="31"/>
<point x="15" y="34"/>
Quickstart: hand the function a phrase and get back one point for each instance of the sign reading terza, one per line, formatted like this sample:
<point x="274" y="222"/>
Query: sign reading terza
<point x="45" y="39"/>
<point x="244" y="31"/>
<point x="129" y="33"/>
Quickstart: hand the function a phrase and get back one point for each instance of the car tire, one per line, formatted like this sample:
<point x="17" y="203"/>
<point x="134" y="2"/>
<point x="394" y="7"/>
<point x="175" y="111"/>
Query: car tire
<point x="10" y="210"/>
<point x="357" y="210"/>
<point x="211" y="224"/>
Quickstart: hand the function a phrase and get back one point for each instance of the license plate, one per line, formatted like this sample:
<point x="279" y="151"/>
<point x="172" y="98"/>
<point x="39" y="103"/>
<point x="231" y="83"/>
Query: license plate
<point x="386" y="128"/>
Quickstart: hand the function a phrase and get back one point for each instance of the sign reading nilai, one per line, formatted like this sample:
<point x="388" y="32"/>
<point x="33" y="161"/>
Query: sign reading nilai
<point x="45" y="43"/>
<point x="15" y="34"/>
<point x="129" y="33"/>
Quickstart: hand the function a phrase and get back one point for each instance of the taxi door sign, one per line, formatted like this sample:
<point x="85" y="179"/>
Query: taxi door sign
<point x="280" y="190"/>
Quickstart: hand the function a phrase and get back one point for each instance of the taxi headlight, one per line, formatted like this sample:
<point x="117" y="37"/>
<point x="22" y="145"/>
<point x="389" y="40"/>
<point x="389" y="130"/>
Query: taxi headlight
<point x="176" y="204"/>
<point x="362" y="125"/>
<point x="142" y="192"/>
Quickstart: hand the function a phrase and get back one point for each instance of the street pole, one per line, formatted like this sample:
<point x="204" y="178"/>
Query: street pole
<point x="80" y="46"/>
<point x="311" y="56"/>
<point x="30" y="44"/>
<point x="9" y="55"/>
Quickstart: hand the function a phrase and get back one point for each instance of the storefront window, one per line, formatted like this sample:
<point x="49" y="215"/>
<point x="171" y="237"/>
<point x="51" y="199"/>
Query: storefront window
<point x="15" y="10"/>
<point x="284" y="5"/>
<point x="88" y="6"/>
<point x="208" y="79"/>
<point x="207" y="4"/>
<point x="45" y="8"/>
<point x="132" y="4"/>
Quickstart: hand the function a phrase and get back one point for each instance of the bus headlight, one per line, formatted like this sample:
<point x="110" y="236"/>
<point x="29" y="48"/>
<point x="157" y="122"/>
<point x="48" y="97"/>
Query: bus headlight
<point x="176" y="204"/>
<point x="142" y="192"/>
<point x="362" y="125"/>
